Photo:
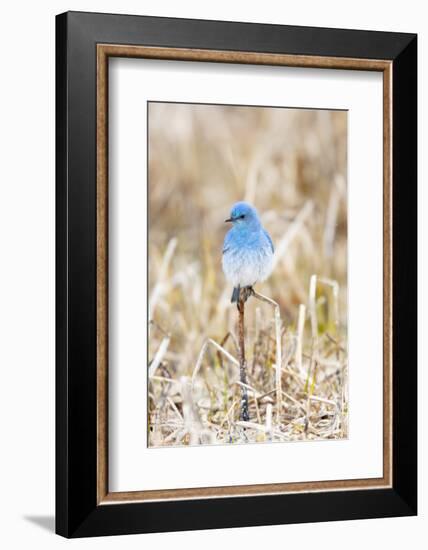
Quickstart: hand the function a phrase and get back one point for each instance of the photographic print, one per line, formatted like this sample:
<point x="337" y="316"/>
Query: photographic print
<point x="247" y="281"/>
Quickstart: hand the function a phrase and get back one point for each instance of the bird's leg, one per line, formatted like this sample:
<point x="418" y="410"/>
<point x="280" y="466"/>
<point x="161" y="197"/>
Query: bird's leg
<point x="246" y="292"/>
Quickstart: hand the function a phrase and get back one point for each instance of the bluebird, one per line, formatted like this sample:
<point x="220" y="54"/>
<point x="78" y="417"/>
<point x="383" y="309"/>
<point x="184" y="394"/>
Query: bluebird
<point x="247" y="251"/>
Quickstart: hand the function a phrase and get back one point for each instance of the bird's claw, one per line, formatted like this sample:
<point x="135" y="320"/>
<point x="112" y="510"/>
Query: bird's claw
<point x="245" y="293"/>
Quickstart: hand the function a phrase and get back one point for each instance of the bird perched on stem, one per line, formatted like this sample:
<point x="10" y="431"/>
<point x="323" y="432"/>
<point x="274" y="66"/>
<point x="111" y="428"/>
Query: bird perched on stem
<point x="247" y="251"/>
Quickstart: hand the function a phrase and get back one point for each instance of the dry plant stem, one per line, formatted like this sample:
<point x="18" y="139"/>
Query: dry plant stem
<point x="158" y="289"/>
<point x="314" y="346"/>
<point x="292" y="231"/>
<point x="228" y="336"/>
<point x="242" y="362"/>
<point x="314" y="327"/>
<point x="159" y="356"/>
<point x="278" y="351"/>
<point x="192" y="420"/>
<point x="227" y="416"/>
<point x="335" y="291"/>
<point x="300" y="329"/>
<point x="269" y="422"/>
<point x="259" y="418"/>
<point x="331" y="221"/>
<point x="202" y="353"/>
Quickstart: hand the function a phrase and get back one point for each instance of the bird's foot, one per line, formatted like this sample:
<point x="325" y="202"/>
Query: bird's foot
<point x="244" y="294"/>
<point x="247" y="292"/>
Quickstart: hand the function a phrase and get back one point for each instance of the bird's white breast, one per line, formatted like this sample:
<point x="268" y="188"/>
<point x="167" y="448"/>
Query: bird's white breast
<point x="245" y="267"/>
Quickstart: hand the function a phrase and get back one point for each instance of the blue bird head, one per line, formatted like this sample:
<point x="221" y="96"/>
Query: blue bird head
<point x="244" y="216"/>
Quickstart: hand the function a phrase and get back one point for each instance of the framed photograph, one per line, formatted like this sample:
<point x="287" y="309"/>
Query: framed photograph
<point x="236" y="274"/>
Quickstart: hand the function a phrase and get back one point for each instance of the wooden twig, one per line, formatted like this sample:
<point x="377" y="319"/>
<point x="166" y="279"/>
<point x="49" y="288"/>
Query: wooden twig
<point x="244" y="415"/>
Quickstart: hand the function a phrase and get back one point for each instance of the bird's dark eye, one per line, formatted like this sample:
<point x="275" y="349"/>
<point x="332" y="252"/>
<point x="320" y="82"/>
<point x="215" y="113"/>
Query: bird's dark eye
<point x="242" y="216"/>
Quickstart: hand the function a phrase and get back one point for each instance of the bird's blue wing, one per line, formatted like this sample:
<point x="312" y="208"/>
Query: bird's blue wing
<point x="226" y="243"/>
<point x="269" y="239"/>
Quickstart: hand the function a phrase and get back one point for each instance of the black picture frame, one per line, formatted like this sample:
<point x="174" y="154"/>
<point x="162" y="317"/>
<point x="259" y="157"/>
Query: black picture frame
<point x="77" y="511"/>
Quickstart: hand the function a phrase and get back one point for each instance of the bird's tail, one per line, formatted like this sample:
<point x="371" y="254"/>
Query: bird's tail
<point x="235" y="294"/>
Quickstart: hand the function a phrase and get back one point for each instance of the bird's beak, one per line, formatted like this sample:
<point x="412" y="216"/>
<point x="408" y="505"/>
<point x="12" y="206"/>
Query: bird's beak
<point x="228" y="220"/>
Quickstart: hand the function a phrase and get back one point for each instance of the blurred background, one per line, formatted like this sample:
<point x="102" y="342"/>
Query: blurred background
<point x="291" y="165"/>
